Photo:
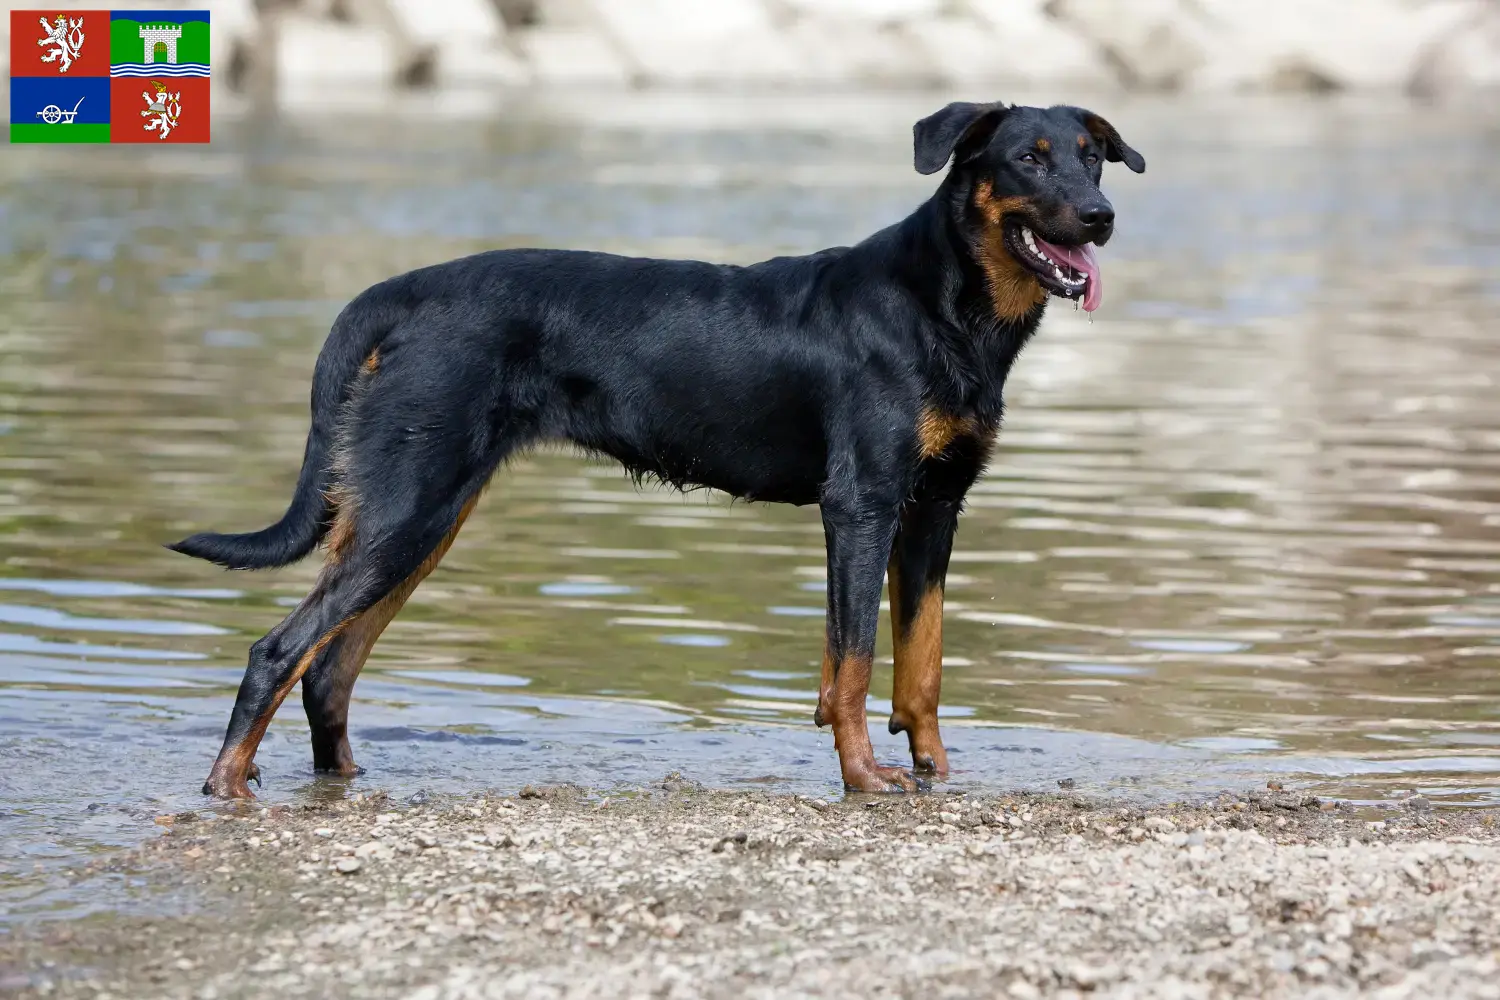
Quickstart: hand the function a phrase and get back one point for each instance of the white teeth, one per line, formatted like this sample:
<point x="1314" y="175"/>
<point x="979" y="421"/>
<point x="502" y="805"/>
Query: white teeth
<point x="1058" y="272"/>
<point x="1030" y="238"/>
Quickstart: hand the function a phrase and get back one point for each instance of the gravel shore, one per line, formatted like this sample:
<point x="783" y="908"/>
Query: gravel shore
<point x="675" y="891"/>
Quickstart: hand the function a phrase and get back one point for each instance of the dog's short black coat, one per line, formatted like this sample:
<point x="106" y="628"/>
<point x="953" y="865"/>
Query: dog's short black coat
<point x="865" y="379"/>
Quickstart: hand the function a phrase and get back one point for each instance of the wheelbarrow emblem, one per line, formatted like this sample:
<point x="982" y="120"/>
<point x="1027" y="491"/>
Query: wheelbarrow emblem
<point x="52" y="114"/>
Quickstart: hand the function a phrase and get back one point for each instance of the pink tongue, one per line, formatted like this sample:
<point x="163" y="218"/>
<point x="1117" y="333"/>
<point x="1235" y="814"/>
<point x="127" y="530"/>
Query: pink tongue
<point x="1084" y="262"/>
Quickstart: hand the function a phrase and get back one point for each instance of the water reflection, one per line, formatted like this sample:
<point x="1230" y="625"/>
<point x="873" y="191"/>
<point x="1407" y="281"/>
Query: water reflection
<point x="1243" y="523"/>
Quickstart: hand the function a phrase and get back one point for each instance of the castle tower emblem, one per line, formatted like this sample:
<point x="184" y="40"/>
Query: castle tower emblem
<point x="161" y="43"/>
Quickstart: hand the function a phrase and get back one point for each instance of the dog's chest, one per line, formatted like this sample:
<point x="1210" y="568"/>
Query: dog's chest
<point x="938" y="432"/>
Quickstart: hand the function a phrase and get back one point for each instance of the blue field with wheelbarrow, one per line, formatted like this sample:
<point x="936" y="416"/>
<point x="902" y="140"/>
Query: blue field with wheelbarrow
<point x="59" y="110"/>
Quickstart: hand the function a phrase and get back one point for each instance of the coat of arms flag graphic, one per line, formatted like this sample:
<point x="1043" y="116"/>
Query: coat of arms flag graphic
<point x="109" y="76"/>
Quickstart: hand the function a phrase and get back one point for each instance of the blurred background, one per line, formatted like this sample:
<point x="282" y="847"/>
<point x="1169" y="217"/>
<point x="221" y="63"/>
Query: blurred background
<point x="1242" y="526"/>
<point x="292" y="51"/>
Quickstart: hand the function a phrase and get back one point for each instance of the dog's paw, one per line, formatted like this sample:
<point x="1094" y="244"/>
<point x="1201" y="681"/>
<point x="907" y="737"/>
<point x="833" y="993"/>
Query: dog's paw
<point x="883" y="779"/>
<point x="225" y="786"/>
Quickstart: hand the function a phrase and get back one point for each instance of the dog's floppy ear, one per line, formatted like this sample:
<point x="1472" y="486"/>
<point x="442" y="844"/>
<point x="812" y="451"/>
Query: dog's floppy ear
<point x="1115" y="148"/>
<point x="961" y="127"/>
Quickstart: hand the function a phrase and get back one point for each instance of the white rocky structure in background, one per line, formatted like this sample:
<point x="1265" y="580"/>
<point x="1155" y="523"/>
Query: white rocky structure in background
<point x="1427" y="47"/>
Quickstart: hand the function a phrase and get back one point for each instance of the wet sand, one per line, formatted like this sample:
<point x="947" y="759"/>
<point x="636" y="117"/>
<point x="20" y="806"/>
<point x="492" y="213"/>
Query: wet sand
<point x="679" y="891"/>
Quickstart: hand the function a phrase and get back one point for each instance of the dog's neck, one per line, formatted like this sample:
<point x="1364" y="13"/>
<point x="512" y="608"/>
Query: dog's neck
<point x="983" y="307"/>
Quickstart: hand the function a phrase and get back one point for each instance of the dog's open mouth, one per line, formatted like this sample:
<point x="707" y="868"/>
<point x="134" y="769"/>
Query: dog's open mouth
<point x="1069" y="272"/>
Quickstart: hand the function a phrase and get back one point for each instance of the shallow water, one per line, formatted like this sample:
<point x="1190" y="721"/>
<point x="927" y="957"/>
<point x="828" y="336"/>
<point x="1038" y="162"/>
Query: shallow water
<point x="1245" y="523"/>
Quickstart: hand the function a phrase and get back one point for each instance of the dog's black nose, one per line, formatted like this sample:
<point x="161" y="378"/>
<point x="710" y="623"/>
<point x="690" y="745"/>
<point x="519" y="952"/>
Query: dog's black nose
<point x="1097" y="216"/>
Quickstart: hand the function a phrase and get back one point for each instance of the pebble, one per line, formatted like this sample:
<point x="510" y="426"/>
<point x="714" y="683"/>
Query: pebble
<point x="347" y="866"/>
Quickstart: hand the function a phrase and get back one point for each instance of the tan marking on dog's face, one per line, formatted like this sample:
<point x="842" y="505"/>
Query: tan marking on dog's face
<point x="1014" y="291"/>
<point x="995" y="209"/>
<point x="936" y="431"/>
<point x="1083" y="141"/>
<point x="1044" y="146"/>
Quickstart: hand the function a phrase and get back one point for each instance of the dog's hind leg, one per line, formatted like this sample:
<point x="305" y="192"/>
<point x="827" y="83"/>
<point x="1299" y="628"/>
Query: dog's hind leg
<point x="916" y="573"/>
<point x="327" y="688"/>
<point x="418" y="436"/>
<point x="329" y="682"/>
<point x="379" y="563"/>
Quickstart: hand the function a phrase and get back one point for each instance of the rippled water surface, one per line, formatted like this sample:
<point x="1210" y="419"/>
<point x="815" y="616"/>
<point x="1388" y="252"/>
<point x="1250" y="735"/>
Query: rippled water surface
<point x="1246" y="522"/>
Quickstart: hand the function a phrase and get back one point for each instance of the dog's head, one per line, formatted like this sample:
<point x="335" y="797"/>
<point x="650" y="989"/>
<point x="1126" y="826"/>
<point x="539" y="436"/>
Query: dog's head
<point x="1033" y="177"/>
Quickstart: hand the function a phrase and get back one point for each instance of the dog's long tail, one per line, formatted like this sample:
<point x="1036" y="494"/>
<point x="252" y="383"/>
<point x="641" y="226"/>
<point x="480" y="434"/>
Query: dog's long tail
<point x="356" y="333"/>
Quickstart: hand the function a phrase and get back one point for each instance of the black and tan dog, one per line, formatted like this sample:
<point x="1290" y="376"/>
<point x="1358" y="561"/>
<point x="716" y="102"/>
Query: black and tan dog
<point x="864" y="379"/>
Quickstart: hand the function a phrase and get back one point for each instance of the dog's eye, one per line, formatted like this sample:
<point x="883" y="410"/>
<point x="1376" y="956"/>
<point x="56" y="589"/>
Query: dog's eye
<point x="1091" y="159"/>
<point x="1029" y="158"/>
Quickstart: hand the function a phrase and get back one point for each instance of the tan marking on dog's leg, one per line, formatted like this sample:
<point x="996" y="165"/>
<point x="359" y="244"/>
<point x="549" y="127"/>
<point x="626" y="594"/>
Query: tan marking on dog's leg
<point x="232" y="769"/>
<point x="345" y="503"/>
<point x="358" y="640"/>
<point x="918" y="647"/>
<point x="822" y="715"/>
<point x="851" y="732"/>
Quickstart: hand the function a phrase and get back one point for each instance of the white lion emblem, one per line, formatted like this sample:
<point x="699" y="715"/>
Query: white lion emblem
<point x="67" y="36"/>
<point x="166" y="107"/>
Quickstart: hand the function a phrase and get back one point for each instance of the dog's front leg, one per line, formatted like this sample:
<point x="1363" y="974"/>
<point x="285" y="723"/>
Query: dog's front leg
<point x="917" y="571"/>
<point x="859" y="540"/>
